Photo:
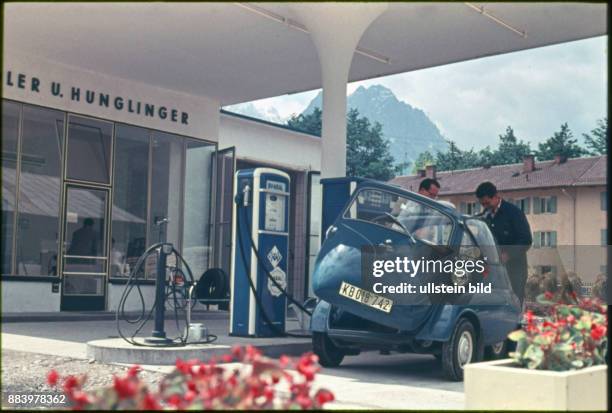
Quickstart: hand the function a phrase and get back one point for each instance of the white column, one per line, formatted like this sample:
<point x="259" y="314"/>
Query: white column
<point x="335" y="29"/>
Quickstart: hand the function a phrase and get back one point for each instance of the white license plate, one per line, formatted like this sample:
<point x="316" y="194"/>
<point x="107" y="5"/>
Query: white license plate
<point x="365" y="297"/>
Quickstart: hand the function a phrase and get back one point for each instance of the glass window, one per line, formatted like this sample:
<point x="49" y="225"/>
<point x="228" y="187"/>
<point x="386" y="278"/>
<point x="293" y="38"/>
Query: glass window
<point x="401" y="214"/>
<point x="198" y="199"/>
<point x="167" y="172"/>
<point x="10" y="133"/>
<point x="484" y="238"/>
<point x="130" y="197"/>
<point x="523" y="204"/>
<point x="89" y="143"/>
<point x="39" y="189"/>
<point x="603" y="200"/>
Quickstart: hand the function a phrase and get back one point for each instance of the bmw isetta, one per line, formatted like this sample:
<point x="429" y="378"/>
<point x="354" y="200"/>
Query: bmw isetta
<point x="457" y="328"/>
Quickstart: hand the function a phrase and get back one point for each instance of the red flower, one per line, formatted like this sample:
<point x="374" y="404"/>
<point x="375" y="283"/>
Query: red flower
<point x="133" y="371"/>
<point x="52" y="377"/>
<point x="529" y="316"/>
<point x="304" y="401"/>
<point x="252" y="352"/>
<point x="184" y="366"/>
<point x="597" y="332"/>
<point x="70" y="384"/>
<point x="548" y="295"/>
<point x="237" y="352"/>
<point x="174" y="400"/>
<point x="81" y="398"/>
<point x="190" y="395"/>
<point x="323" y="396"/>
<point x="125" y="388"/>
<point x="227" y="358"/>
<point x="150" y="403"/>
<point x="284" y="361"/>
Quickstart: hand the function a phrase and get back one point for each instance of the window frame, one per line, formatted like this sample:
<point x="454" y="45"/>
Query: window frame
<point x="353" y="198"/>
<point x="110" y="185"/>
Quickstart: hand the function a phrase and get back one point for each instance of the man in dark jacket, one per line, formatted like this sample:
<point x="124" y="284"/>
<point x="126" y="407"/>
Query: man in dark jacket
<point x="512" y="232"/>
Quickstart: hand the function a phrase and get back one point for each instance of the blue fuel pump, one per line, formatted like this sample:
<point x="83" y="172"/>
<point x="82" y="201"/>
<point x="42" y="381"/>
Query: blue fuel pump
<point x="260" y="229"/>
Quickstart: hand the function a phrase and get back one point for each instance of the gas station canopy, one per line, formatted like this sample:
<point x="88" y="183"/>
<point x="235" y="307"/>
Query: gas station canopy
<point x="237" y="52"/>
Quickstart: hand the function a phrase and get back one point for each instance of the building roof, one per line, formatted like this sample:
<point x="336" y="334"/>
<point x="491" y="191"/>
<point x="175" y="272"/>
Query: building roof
<point x="267" y="122"/>
<point x="547" y="174"/>
<point x="235" y="53"/>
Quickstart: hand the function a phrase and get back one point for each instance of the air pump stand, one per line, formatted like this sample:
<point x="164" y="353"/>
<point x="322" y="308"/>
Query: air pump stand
<point x="158" y="336"/>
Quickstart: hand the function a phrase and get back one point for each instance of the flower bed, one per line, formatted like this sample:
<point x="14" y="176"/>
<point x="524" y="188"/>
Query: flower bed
<point x="257" y="383"/>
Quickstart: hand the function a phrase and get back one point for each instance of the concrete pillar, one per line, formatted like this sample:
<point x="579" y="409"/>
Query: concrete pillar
<point x="335" y="29"/>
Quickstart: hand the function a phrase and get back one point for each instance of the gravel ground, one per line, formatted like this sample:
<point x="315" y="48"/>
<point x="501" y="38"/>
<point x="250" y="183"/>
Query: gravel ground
<point x="27" y="372"/>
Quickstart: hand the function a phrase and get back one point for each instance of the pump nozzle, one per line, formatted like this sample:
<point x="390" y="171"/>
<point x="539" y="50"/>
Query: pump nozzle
<point x="246" y="194"/>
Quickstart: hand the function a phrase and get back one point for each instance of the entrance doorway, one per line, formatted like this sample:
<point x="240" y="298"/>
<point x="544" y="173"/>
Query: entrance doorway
<point x="85" y="253"/>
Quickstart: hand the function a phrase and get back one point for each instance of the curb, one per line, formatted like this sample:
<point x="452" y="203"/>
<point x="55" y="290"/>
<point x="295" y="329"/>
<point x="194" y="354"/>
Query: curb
<point x="117" y="351"/>
<point x="98" y="316"/>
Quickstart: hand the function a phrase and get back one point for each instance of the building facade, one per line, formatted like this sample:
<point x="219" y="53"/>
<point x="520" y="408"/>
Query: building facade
<point x="95" y="169"/>
<point x="564" y="200"/>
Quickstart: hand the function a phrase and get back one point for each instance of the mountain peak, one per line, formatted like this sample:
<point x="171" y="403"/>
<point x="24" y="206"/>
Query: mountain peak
<point x="408" y="129"/>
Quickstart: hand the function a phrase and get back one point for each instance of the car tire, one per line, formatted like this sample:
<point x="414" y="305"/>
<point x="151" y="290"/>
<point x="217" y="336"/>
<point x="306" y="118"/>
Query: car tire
<point x="461" y="349"/>
<point x="329" y="354"/>
<point x="496" y="351"/>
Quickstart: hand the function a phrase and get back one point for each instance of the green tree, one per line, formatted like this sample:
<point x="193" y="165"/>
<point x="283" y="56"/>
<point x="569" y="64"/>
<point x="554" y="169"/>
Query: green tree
<point x="510" y="149"/>
<point x="367" y="151"/>
<point x="597" y="140"/>
<point x="454" y="158"/>
<point x="424" y="159"/>
<point x="310" y="123"/>
<point x="561" y="143"/>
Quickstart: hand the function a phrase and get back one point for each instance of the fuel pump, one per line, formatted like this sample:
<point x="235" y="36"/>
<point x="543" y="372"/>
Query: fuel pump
<point x="260" y="228"/>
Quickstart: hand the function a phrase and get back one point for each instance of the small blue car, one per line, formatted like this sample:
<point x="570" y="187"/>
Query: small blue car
<point x="458" y="331"/>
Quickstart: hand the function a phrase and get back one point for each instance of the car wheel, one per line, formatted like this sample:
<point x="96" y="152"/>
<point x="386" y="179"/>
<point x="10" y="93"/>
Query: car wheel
<point x="329" y="354"/>
<point x="496" y="351"/>
<point x="461" y="349"/>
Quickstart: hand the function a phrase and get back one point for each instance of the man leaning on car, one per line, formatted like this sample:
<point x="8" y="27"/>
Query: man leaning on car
<point x="511" y="230"/>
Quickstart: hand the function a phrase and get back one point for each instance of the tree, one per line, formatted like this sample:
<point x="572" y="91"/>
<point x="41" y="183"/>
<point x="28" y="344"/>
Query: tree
<point x="597" y="140"/>
<point x="510" y="149"/>
<point x="367" y="151"/>
<point x="454" y="158"/>
<point x="561" y="143"/>
<point x="310" y="123"/>
<point x="424" y="159"/>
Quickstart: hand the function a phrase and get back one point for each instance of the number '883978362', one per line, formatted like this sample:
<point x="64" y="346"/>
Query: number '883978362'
<point x="34" y="400"/>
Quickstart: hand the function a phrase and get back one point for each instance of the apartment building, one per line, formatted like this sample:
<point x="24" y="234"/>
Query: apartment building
<point x="565" y="201"/>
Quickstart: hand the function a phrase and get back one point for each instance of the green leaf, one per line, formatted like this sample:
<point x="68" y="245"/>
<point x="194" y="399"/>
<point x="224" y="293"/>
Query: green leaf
<point x="517" y="335"/>
<point x="541" y="299"/>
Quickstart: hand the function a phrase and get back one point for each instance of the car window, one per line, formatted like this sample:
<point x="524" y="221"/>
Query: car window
<point x="468" y="248"/>
<point x="484" y="238"/>
<point x="401" y="214"/>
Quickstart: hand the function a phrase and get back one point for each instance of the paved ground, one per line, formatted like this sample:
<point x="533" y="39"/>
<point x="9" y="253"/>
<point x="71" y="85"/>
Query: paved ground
<point x="370" y="380"/>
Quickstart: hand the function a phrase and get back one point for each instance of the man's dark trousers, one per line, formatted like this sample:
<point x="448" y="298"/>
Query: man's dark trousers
<point x="513" y="234"/>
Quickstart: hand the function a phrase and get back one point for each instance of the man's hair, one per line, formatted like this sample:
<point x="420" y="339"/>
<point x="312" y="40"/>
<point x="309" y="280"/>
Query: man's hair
<point x="486" y="189"/>
<point x="427" y="183"/>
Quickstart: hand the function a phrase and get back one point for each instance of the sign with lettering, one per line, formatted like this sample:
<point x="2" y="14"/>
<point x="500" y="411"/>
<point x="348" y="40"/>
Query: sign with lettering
<point x="50" y="84"/>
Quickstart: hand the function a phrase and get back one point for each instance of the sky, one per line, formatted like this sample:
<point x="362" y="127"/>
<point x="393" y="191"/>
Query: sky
<point x="473" y="102"/>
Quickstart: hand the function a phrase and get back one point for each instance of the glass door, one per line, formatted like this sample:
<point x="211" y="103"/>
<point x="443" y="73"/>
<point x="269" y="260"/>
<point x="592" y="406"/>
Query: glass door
<point x="222" y="223"/>
<point x="85" y="252"/>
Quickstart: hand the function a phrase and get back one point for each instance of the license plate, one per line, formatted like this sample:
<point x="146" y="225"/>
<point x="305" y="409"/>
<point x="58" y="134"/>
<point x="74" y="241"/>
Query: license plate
<point x="365" y="297"/>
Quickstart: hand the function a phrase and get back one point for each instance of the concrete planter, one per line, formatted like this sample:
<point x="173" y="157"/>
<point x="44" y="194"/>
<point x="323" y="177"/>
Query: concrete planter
<point x="502" y="385"/>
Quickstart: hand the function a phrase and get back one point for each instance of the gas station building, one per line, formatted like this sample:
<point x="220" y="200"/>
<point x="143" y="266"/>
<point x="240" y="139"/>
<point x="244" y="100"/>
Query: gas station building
<point x="112" y="122"/>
